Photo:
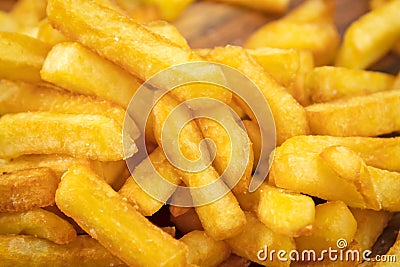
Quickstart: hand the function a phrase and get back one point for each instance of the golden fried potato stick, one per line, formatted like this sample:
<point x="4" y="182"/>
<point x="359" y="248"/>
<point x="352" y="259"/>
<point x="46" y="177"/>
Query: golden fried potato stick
<point x="58" y="163"/>
<point x="138" y="11"/>
<point x="377" y="152"/>
<point x="205" y="251"/>
<point x="333" y="221"/>
<point x="370" y="37"/>
<point x="254" y="238"/>
<point x="23" y="97"/>
<point x="134" y="194"/>
<point x="396" y="84"/>
<point x="112" y="35"/>
<point x="169" y="31"/>
<point x="187" y="222"/>
<point x="255" y="136"/>
<point x="27" y="189"/>
<point x="288" y="67"/>
<point x="316" y="178"/>
<point x="289" y="116"/>
<point x="313" y="11"/>
<point x="90" y="136"/>
<point x="330" y="83"/>
<point x="387" y="187"/>
<point x="284" y="212"/>
<point x="102" y="212"/>
<point x="275" y="6"/>
<point x="357" y="116"/>
<point x="39" y="223"/>
<point x="29" y="12"/>
<point x="7" y="22"/>
<point x="48" y="34"/>
<point x="169" y="10"/>
<point x="391" y="257"/>
<point x="77" y="69"/>
<point x="222" y="218"/>
<point x="21" y="250"/>
<point x="21" y="57"/>
<point x="370" y="225"/>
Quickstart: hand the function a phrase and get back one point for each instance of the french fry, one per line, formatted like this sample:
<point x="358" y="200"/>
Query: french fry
<point x="386" y="184"/>
<point x="47" y="34"/>
<point x="284" y="212"/>
<point x="23" y="97"/>
<point x="21" y="57"/>
<point x="102" y="212"/>
<point x="333" y="221"/>
<point x="362" y="46"/>
<point x="357" y="116"/>
<point x="228" y="158"/>
<point x="135" y="195"/>
<point x="108" y="29"/>
<point x="279" y="6"/>
<point x="140" y="12"/>
<point x="315" y="178"/>
<point x="205" y="251"/>
<point x="218" y="225"/>
<point x="313" y="11"/>
<point x="169" y="31"/>
<point x="61" y="67"/>
<point x="236" y="261"/>
<point x="390" y="259"/>
<point x="253" y="240"/>
<point x="93" y="136"/>
<point x="39" y="223"/>
<point x="289" y="115"/>
<point x="288" y="67"/>
<point x="255" y="136"/>
<point x="169" y="10"/>
<point x="330" y="83"/>
<point x="187" y="222"/>
<point x="113" y="172"/>
<point x="377" y="152"/>
<point x="352" y="168"/>
<point x="21" y="250"/>
<point x="321" y="38"/>
<point x="370" y="225"/>
<point x="57" y="163"/>
<point x="396" y="84"/>
<point x="27" y="189"/>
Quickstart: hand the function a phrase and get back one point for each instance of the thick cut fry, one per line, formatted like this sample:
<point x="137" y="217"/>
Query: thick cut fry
<point x="187" y="222"/>
<point x="370" y="37"/>
<point x="352" y="168"/>
<point x="205" y="251"/>
<point x="102" y="212"/>
<point x="135" y="195"/>
<point x="113" y="172"/>
<point x="58" y="163"/>
<point x="93" y="136"/>
<point x="222" y="218"/>
<point x="48" y="34"/>
<point x="333" y="221"/>
<point x="20" y="251"/>
<point x="112" y="35"/>
<point x="276" y="6"/>
<point x="396" y="84"/>
<point x="321" y="38"/>
<point x="377" y="152"/>
<point x="39" y="223"/>
<point x="313" y="11"/>
<point x="330" y="83"/>
<point x="387" y="186"/>
<point x="255" y="136"/>
<point x="288" y="67"/>
<point x="27" y="189"/>
<point x="75" y="68"/>
<point x="21" y="57"/>
<point x="370" y="225"/>
<point x="391" y="258"/>
<point x="315" y="178"/>
<point x="7" y="22"/>
<point x="169" y="10"/>
<point x="252" y="242"/>
<point x="23" y="97"/>
<point x="357" y="116"/>
<point x="169" y="31"/>
<point x="138" y="11"/>
<point x="285" y="213"/>
<point x="289" y="115"/>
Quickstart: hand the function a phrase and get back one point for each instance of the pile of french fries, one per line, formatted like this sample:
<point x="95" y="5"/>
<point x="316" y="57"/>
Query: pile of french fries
<point x="68" y="71"/>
